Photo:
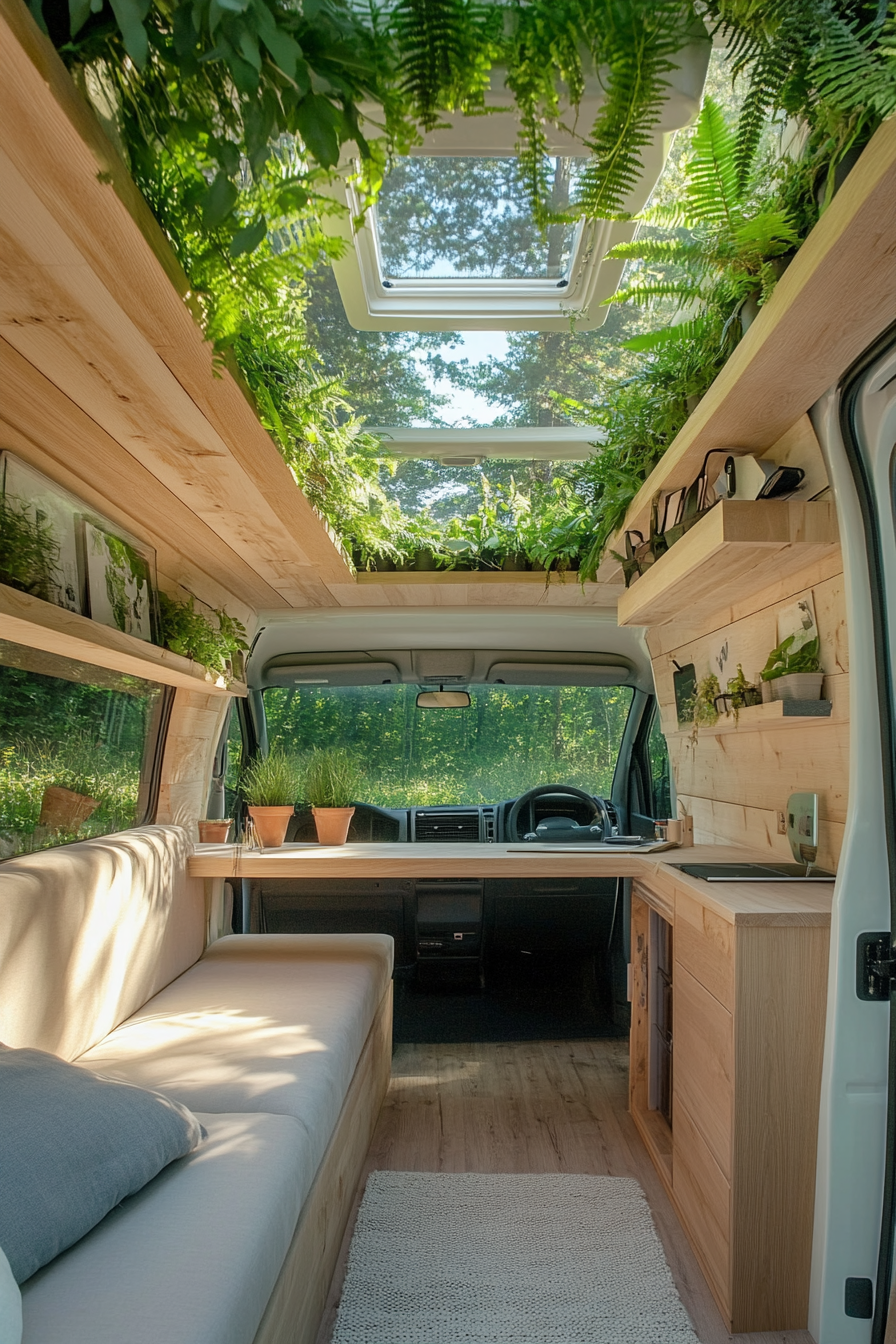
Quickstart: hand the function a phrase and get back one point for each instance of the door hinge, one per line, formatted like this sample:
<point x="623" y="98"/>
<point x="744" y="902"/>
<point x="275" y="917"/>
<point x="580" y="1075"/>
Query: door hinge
<point x="875" y="966"/>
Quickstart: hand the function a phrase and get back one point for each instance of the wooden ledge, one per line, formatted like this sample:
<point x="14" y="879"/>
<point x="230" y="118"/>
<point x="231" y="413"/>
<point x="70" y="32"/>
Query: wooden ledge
<point x="41" y="625"/>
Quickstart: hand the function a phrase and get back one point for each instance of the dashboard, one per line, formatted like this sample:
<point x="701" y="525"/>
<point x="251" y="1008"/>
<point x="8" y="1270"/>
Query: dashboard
<point x="483" y="823"/>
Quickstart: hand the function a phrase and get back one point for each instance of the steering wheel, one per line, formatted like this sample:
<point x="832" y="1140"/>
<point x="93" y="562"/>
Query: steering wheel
<point x="597" y="805"/>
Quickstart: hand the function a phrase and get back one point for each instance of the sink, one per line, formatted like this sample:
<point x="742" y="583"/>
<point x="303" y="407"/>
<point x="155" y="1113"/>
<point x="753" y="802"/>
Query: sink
<point x="755" y="872"/>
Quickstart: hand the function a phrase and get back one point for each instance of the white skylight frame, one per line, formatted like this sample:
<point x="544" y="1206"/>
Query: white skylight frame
<point x="374" y="302"/>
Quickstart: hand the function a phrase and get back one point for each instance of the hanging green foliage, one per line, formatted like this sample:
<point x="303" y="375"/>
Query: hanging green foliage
<point x="828" y="63"/>
<point x="727" y="237"/>
<point x="188" y="632"/>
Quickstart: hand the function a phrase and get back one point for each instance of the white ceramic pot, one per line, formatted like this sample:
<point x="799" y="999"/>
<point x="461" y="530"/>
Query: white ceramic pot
<point x="797" y="686"/>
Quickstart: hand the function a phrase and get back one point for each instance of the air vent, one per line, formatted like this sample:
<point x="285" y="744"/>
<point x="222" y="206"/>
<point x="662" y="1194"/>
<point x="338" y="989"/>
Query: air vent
<point x="488" y="824"/>
<point x="446" y="827"/>
<point x="614" y="815"/>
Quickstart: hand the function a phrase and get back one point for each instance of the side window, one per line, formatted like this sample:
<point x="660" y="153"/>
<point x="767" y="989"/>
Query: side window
<point x="660" y="773"/>
<point x="77" y="745"/>
<point x="234" y="759"/>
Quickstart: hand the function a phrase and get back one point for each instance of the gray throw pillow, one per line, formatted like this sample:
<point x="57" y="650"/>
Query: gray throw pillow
<point x="73" y="1145"/>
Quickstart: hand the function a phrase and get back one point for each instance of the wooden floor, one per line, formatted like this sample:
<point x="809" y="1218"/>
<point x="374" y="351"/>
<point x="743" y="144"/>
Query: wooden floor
<point x="530" y="1106"/>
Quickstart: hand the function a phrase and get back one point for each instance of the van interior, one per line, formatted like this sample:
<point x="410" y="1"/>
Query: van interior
<point x="608" y="904"/>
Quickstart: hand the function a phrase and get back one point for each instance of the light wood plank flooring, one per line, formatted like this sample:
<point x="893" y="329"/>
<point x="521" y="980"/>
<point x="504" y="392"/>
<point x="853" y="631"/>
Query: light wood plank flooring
<point x="530" y="1106"/>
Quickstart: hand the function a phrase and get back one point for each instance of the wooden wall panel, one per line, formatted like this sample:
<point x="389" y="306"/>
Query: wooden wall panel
<point x="193" y="733"/>
<point x="735" y="783"/>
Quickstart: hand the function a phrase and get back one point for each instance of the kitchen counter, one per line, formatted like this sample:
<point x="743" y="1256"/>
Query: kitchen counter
<point x="766" y="903"/>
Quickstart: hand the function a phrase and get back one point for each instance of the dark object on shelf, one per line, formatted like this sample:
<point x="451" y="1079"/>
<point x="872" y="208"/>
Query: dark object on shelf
<point x="671" y="516"/>
<point x="684" y="681"/>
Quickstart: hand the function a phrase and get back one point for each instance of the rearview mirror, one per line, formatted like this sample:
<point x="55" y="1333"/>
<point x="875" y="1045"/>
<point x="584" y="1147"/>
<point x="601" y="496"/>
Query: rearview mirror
<point x="443" y="700"/>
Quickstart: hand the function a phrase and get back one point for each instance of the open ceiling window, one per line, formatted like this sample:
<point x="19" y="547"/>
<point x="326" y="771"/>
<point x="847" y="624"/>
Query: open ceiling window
<point x="493" y="268"/>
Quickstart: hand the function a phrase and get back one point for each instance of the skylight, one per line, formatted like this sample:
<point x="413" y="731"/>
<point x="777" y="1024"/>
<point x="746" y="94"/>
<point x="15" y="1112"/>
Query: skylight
<point x="450" y="218"/>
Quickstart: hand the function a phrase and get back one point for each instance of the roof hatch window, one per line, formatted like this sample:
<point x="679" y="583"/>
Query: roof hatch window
<point x="445" y="218"/>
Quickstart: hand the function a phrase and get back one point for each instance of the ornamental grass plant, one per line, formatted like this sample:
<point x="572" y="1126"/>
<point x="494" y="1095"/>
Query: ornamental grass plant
<point x="274" y="780"/>
<point x="332" y="777"/>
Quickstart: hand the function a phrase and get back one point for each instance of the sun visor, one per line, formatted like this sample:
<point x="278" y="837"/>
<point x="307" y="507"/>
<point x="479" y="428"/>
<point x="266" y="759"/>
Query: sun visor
<point x="330" y="674"/>
<point x="560" y="674"/>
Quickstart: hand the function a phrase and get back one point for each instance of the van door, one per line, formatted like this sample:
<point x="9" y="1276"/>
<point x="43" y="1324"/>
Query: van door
<point x="854" y="1210"/>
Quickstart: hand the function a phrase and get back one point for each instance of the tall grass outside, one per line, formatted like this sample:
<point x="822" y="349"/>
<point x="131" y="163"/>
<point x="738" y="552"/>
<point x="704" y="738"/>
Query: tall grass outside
<point x="68" y="732"/>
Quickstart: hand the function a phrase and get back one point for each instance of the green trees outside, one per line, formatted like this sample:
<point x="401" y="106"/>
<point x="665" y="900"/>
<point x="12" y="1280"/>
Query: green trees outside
<point x="511" y="739"/>
<point x="82" y="735"/>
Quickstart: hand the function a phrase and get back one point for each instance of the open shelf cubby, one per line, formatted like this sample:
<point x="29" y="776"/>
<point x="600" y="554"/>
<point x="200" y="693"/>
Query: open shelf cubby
<point x="740" y="546"/>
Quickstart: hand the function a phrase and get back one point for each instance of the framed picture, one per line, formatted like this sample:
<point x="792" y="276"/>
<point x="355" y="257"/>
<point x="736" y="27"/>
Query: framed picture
<point x="51" y="515"/>
<point x="798" y="619"/>
<point x="120" y="579"/>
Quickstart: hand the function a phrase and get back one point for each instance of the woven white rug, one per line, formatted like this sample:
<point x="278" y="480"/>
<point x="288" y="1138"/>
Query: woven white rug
<point x="438" y="1258"/>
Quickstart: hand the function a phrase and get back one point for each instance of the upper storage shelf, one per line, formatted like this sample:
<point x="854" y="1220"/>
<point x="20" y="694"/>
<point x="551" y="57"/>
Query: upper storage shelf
<point x="740" y="547"/>
<point x="40" y="625"/>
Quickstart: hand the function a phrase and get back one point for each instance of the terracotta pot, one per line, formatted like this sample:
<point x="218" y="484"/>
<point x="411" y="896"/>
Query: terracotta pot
<point x="332" y="824"/>
<point x="214" y="832"/>
<point x="63" y="810"/>
<point x="271" y="824"/>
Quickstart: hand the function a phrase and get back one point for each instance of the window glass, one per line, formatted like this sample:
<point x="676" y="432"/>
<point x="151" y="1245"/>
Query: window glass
<point x="447" y="218"/>
<point x="510" y="739"/>
<point x="234" y="759"/>
<point x="73" y="739"/>
<point x="660" y="771"/>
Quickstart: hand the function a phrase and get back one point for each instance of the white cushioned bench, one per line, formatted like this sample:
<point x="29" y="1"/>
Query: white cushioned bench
<point x="280" y="1044"/>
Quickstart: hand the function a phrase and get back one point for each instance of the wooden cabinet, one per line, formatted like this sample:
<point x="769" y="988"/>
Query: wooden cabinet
<point x="738" y="1161"/>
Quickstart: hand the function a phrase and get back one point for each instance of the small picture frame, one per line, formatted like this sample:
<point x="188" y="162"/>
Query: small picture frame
<point x="54" y="514"/>
<point x="120" y="574"/>
<point x="684" y="681"/>
<point x="798" y="619"/>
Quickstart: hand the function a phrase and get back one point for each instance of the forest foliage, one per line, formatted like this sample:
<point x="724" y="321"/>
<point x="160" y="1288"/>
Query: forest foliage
<point x="510" y="739"/>
<point x="76" y="735"/>
<point x="233" y="116"/>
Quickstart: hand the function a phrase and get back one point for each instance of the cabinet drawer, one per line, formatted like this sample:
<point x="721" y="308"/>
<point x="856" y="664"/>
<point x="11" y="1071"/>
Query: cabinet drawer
<point x="704" y="944"/>
<point x="703" y="1063"/>
<point x="703" y="1197"/>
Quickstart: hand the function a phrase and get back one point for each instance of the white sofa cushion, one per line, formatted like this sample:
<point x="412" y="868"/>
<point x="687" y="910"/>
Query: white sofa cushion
<point x="193" y="1257"/>
<point x="89" y="931"/>
<point x="264" y="1022"/>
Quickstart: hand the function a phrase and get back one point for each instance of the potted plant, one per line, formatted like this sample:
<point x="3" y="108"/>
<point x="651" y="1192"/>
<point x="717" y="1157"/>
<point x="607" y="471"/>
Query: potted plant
<point x="214" y="830"/>
<point x="741" y="693"/>
<point x="705" y="712"/>
<point x="63" y="809"/>
<point x="270" y="785"/>
<point x="794" y="674"/>
<point x="331" y="782"/>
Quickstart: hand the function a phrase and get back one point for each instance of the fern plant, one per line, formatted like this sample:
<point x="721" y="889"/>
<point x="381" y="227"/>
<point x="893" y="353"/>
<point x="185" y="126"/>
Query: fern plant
<point x="186" y="631"/>
<point x="731" y="240"/>
<point x="554" y="47"/>
<point x="824" y="62"/>
<point x="446" y="49"/>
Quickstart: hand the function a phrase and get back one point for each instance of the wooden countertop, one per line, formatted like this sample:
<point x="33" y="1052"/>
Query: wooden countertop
<point x="746" y="903"/>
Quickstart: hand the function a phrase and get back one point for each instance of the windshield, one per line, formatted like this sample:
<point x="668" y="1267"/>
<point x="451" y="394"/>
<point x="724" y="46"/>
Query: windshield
<point x="509" y="740"/>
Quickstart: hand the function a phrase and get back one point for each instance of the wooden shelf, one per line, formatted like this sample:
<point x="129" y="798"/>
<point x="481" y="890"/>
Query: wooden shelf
<point x="41" y="625"/>
<point x="776" y="714"/>
<point x="838" y="294"/>
<point x="740" y="546"/>
<point x="448" y="576"/>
